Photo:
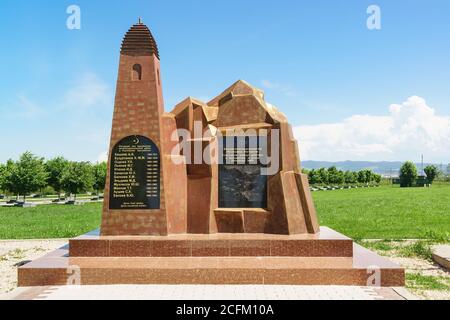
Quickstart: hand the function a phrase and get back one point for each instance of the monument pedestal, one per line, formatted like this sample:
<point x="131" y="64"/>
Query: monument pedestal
<point x="327" y="258"/>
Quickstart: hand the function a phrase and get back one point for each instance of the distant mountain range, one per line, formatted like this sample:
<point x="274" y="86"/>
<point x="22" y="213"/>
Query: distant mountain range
<point x="385" y="168"/>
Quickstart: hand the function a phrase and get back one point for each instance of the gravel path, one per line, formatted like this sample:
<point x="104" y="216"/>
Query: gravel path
<point x="15" y="251"/>
<point x="417" y="265"/>
<point x="426" y="268"/>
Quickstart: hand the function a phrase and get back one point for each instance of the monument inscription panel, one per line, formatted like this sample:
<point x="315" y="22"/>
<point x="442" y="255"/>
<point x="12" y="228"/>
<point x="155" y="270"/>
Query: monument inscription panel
<point x="241" y="184"/>
<point x="135" y="175"/>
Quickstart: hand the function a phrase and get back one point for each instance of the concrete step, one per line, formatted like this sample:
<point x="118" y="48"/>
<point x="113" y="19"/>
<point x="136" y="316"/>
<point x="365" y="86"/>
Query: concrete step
<point x="441" y="255"/>
<point x="327" y="243"/>
<point x="58" y="269"/>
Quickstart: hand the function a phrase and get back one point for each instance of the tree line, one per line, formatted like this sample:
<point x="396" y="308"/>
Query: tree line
<point x="408" y="175"/>
<point x="34" y="174"/>
<point x="326" y="176"/>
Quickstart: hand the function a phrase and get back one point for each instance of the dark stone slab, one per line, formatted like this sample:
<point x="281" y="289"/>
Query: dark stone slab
<point x="241" y="184"/>
<point x="135" y="175"/>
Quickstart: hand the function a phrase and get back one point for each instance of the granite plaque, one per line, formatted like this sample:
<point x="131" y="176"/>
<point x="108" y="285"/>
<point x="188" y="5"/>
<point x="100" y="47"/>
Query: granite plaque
<point x="241" y="184"/>
<point x="135" y="175"/>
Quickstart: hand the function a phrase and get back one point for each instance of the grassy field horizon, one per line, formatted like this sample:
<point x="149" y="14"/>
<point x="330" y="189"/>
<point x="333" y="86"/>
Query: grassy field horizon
<point x="387" y="212"/>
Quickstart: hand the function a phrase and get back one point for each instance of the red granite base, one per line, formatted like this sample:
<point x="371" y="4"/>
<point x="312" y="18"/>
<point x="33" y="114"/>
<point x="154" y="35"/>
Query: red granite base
<point x="327" y="243"/>
<point x="248" y="263"/>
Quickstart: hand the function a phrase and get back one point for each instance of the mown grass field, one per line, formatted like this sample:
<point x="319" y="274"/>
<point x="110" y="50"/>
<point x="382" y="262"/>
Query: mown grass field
<point x="375" y="213"/>
<point x="49" y="221"/>
<point x="387" y="212"/>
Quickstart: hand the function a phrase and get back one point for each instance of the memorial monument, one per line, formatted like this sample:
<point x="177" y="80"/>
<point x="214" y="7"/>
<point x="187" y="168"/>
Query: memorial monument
<point x="210" y="193"/>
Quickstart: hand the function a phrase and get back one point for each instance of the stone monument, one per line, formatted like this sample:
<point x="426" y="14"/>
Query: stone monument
<point x="210" y="193"/>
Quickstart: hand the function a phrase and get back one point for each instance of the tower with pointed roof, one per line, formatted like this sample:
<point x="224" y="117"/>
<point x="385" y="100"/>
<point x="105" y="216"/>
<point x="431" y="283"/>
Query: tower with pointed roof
<point x="139" y="116"/>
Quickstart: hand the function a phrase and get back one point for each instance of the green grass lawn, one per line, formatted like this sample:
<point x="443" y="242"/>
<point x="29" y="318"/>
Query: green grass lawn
<point x="373" y="213"/>
<point x="387" y="212"/>
<point x="49" y="221"/>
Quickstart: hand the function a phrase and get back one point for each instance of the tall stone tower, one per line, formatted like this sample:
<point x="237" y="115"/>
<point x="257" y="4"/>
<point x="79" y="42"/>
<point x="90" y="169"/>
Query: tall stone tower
<point x="137" y="189"/>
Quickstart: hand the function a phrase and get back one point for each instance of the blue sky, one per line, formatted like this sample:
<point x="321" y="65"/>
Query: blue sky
<point x="350" y="92"/>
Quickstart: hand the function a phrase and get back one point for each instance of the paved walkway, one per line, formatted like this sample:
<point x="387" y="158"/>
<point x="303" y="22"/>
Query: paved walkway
<point x="208" y="292"/>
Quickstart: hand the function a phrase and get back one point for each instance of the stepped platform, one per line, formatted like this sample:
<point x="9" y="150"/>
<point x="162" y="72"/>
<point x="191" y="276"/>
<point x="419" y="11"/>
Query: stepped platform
<point x="324" y="259"/>
<point x="327" y="243"/>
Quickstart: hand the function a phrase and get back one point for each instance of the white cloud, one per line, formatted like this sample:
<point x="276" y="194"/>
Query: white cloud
<point x="409" y="130"/>
<point x="89" y="91"/>
<point x="283" y="89"/>
<point x="102" y="157"/>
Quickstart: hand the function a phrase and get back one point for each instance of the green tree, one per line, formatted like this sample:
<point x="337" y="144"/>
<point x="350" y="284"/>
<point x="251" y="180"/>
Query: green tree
<point x="432" y="172"/>
<point x="365" y="176"/>
<point x="408" y="174"/>
<point x="55" y="168"/>
<point x="99" y="172"/>
<point x="77" y="177"/>
<point x="314" y="177"/>
<point x="350" y="177"/>
<point x="2" y="177"/>
<point x="323" y="175"/>
<point x="377" y="178"/>
<point x="8" y="183"/>
<point x="339" y="178"/>
<point x="369" y="176"/>
<point x="333" y="175"/>
<point x="27" y="175"/>
<point x="361" y="176"/>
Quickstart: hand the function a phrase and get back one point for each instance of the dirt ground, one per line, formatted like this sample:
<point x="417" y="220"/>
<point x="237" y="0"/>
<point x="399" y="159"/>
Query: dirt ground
<point x="427" y="268"/>
<point x="13" y="252"/>
<point x="416" y="265"/>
